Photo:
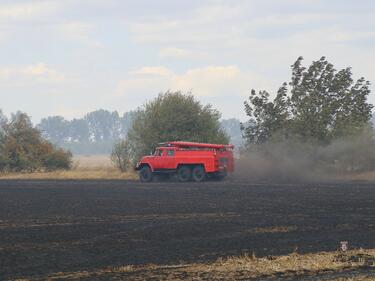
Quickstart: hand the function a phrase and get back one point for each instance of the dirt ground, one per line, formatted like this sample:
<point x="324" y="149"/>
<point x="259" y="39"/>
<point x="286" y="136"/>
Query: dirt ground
<point x="51" y="227"/>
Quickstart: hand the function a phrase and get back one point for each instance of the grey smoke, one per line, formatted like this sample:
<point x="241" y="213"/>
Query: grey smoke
<point x="294" y="160"/>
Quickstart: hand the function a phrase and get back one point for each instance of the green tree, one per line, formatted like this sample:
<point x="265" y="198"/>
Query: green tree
<point x="20" y="143"/>
<point x="79" y="131"/>
<point x="54" y="128"/>
<point x="318" y="105"/>
<point x="103" y="125"/>
<point x="174" y="116"/>
<point x="126" y="122"/>
<point x="3" y="119"/>
<point x="266" y="117"/>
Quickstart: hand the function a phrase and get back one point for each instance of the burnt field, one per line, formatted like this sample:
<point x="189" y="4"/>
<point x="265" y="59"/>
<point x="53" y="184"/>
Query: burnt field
<point x="65" y="226"/>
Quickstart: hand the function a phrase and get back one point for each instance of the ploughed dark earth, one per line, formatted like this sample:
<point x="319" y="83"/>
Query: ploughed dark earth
<point x="57" y="226"/>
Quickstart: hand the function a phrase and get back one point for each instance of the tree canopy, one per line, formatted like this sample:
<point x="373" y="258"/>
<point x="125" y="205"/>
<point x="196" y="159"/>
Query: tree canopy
<point x="174" y="116"/>
<point x="319" y="104"/>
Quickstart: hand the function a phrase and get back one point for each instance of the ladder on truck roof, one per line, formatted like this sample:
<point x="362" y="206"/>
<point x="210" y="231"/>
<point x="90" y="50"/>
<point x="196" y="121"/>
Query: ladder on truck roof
<point x="186" y="144"/>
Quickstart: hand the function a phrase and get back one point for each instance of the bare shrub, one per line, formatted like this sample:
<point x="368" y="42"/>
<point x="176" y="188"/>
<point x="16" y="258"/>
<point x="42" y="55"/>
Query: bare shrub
<point x="121" y="155"/>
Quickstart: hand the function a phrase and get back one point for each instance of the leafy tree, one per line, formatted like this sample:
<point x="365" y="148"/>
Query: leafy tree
<point x="3" y="118"/>
<point x="79" y="131"/>
<point x="319" y="105"/>
<point x="21" y="142"/>
<point x="55" y="129"/>
<point x="121" y="155"/>
<point x="24" y="149"/>
<point x="103" y="125"/>
<point x="126" y="122"/>
<point x="266" y="117"/>
<point x="174" y="116"/>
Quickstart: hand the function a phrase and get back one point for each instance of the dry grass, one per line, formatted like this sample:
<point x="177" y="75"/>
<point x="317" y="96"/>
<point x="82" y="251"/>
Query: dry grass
<point x="233" y="268"/>
<point x="364" y="176"/>
<point x="84" y="167"/>
<point x="92" y="161"/>
<point x="294" y="262"/>
<point x="356" y="278"/>
<point x="276" y="229"/>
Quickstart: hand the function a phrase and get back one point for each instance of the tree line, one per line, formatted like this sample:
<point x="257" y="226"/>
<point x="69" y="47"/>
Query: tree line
<point x="98" y="130"/>
<point x="95" y="133"/>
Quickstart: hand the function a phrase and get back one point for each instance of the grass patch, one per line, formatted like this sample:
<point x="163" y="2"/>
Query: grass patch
<point x="363" y="176"/>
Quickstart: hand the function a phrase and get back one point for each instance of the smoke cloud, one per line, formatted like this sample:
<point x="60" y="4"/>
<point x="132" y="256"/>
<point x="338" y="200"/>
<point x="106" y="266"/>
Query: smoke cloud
<point x="292" y="160"/>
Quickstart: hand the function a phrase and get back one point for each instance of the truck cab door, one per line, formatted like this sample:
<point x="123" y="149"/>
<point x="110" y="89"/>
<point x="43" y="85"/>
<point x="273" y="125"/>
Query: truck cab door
<point x="170" y="159"/>
<point x="158" y="159"/>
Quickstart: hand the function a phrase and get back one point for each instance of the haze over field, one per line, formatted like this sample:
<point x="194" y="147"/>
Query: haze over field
<point x="116" y="119"/>
<point x="72" y="57"/>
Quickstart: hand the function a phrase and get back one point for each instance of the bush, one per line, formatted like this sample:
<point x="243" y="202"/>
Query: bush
<point x="121" y="155"/>
<point x="23" y="149"/>
<point x="58" y="159"/>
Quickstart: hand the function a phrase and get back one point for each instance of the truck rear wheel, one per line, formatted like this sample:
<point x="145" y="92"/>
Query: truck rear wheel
<point x="145" y="174"/>
<point x="184" y="173"/>
<point x="199" y="174"/>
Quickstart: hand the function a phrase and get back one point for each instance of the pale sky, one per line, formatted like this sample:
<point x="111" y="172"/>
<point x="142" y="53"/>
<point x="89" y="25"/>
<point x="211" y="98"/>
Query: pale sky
<point x="68" y="57"/>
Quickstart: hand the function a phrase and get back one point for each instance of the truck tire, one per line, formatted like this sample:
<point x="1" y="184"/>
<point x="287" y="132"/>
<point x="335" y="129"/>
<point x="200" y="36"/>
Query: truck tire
<point x="184" y="173"/>
<point x="199" y="173"/>
<point x="220" y="176"/>
<point x="145" y="174"/>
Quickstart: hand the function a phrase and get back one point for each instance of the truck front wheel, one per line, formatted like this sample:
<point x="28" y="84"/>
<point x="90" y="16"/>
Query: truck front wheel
<point x="145" y="174"/>
<point x="184" y="173"/>
<point x="199" y="174"/>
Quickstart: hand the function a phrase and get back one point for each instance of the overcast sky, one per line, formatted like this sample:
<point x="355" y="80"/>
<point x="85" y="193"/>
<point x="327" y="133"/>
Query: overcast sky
<point x="68" y="57"/>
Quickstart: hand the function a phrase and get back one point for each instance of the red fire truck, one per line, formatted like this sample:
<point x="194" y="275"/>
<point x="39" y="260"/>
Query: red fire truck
<point x="187" y="160"/>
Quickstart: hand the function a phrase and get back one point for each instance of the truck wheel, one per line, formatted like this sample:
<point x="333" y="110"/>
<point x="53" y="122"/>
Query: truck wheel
<point x="199" y="174"/>
<point x="220" y="176"/>
<point x="145" y="174"/>
<point x="184" y="173"/>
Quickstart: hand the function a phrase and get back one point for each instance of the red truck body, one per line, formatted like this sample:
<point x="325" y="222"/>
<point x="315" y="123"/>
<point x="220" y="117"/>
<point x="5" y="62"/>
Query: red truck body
<point x="189" y="160"/>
